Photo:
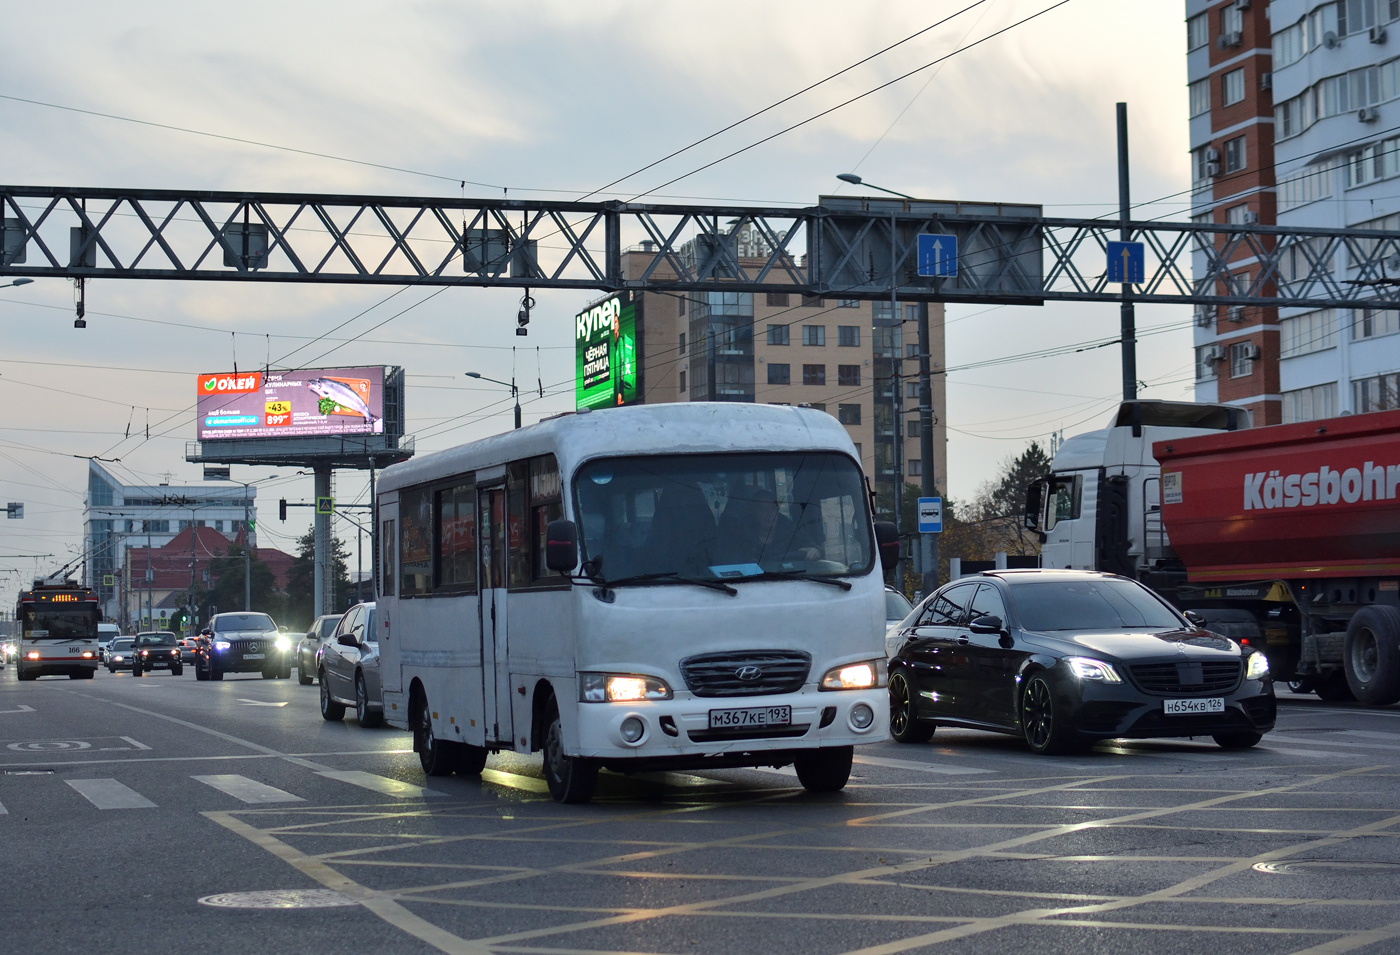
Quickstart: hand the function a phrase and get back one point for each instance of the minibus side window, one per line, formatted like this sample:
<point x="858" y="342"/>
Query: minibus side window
<point x="517" y="535"/>
<point x="456" y="538"/>
<point x="545" y="505"/>
<point x="415" y="542"/>
<point x="387" y="542"/>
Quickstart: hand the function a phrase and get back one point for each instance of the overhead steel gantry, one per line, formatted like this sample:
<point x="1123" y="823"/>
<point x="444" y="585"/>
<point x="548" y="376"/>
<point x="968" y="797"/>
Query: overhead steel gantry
<point x="852" y="248"/>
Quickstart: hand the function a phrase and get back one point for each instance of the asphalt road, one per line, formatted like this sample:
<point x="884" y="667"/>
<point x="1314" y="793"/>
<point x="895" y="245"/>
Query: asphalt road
<point x="160" y="815"/>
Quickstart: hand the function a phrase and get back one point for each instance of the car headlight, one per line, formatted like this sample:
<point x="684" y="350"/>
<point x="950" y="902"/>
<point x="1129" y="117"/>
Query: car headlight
<point x="118" y="658"/>
<point x="87" y="654"/>
<point x="1257" y="668"/>
<point x="621" y="687"/>
<point x="32" y="654"/>
<point x="1087" y="668"/>
<point x="855" y="676"/>
<point x="282" y="644"/>
<point x="222" y="644"/>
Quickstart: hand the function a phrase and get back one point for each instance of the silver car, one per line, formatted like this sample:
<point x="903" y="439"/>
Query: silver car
<point x="310" y="645"/>
<point x="349" y="669"/>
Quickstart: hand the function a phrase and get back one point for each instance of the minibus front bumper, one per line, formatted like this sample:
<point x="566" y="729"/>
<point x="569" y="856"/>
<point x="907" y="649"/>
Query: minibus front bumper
<point x="684" y="727"/>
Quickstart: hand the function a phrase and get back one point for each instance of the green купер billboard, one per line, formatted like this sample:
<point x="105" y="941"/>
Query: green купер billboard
<point x="605" y="348"/>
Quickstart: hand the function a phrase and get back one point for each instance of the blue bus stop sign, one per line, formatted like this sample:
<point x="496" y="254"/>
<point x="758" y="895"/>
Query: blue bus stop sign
<point x="930" y="515"/>
<point x="1127" y="263"/>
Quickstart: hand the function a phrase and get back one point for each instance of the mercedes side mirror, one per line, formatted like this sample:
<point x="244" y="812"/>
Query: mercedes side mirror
<point x="561" y="546"/>
<point x="887" y="539"/>
<point x="986" y="624"/>
<point x="1195" y="619"/>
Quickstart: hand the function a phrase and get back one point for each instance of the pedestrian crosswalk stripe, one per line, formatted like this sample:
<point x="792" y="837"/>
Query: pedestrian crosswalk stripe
<point x="941" y="769"/>
<point x="380" y="784"/>
<point x="248" y="790"/>
<point x="110" y="794"/>
<point x="3" y="810"/>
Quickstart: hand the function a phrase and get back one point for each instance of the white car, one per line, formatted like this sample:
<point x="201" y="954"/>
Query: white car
<point x="897" y="607"/>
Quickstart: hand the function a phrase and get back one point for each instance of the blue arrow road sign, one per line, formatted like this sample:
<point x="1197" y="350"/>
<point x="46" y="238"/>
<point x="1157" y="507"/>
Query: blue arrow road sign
<point x="938" y="255"/>
<point x="930" y="515"/>
<point x="1127" y="263"/>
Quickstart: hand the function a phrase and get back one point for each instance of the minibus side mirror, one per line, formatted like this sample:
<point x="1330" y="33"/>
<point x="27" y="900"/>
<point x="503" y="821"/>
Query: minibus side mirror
<point x="887" y="538"/>
<point x="561" y="546"/>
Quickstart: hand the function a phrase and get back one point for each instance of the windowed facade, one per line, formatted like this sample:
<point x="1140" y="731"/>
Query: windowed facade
<point x="1307" y="333"/>
<point x="1381" y="393"/>
<point x="1197" y="31"/>
<point x="848" y="376"/>
<point x="777" y="299"/>
<point x="1198" y="95"/>
<point x="779" y="373"/>
<point x="680" y="381"/>
<point x="848" y="336"/>
<point x="722" y="361"/>
<point x="1374" y="323"/>
<point x="814" y="374"/>
<point x="1206" y="360"/>
<point x="680" y="349"/>
<point x="1232" y="88"/>
<point x="1234" y="154"/>
<point x="814" y="335"/>
<point x="1242" y="359"/>
<point x="812" y="301"/>
<point x="848" y="303"/>
<point x="1310" y="404"/>
<point x="779" y="334"/>
<point x="848" y="414"/>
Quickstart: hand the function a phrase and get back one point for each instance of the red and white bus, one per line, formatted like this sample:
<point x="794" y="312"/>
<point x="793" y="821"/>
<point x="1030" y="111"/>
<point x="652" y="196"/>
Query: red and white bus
<point x="58" y="631"/>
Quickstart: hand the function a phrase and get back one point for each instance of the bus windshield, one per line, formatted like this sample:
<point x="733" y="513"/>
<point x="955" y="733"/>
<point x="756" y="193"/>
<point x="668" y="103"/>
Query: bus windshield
<point x="41" y="623"/>
<point x="724" y="516"/>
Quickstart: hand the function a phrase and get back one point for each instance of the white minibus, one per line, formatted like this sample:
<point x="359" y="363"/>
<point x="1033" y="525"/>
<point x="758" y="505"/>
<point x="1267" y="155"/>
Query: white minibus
<point x="688" y="586"/>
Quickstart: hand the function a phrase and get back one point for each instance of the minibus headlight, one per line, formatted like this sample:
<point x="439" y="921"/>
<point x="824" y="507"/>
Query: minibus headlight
<point x="1258" y="667"/>
<point x="855" y="676"/>
<point x="32" y="655"/>
<point x="621" y="687"/>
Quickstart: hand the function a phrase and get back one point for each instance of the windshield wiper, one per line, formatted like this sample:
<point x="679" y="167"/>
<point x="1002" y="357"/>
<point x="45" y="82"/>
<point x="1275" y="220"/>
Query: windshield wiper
<point x="667" y="576"/>
<point x="795" y="575"/>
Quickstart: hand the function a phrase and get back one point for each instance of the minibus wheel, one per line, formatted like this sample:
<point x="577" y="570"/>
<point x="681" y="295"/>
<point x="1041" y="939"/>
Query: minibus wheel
<point x="824" y="770"/>
<point x="571" y="779"/>
<point x="434" y="755"/>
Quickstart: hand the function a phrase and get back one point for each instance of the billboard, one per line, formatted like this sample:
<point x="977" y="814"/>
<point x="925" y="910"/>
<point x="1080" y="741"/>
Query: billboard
<point x="606" y="353"/>
<point x="290" y="404"/>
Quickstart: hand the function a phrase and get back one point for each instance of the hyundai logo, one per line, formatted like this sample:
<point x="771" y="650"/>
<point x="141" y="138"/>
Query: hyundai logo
<point x="748" y="673"/>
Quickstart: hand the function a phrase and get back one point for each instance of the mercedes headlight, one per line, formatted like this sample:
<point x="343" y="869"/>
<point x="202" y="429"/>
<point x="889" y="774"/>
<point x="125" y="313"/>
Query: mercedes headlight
<point x="1087" y="668"/>
<point x="1257" y="668"/>
<point x="222" y="645"/>
<point x="282" y="644"/>
<point x="621" y="687"/>
<point x="855" y="676"/>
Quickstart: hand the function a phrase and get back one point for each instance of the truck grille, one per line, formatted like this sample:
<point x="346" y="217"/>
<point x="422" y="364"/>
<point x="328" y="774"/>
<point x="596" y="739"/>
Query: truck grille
<point x="746" y="672"/>
<point x="1193" y="678"/>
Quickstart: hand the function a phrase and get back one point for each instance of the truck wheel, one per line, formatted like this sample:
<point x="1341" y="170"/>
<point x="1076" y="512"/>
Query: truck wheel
<point x="331" y="711"/>
<point x="571" y="779"/>
<point x="1333" y="688"/>
<point x="1373" y="655"/>
<point x="824" y="770"/>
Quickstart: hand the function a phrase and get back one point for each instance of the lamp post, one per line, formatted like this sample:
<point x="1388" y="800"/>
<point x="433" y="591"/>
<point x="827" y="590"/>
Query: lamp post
<point x="515" y="392"/>
<point x="248" y="541"/>
<point x="17" y="282"/>
<point x="927" y="485"/>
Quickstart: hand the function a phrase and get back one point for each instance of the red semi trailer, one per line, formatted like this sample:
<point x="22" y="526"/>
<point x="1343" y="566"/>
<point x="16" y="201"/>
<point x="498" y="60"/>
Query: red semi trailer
<point x="1297" y="529"/>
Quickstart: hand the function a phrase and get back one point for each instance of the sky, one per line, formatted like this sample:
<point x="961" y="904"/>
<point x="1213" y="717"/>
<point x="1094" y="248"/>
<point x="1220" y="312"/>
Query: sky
<point x="548" y="99"/>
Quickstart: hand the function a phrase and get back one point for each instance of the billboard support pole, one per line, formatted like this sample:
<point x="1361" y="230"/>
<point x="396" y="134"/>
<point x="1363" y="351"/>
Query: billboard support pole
<point x="373" y="535"/>
<point x="322" y="545"/>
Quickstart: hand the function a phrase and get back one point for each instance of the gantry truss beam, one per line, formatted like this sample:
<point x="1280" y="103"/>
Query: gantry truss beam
<point x="852" y="248"/>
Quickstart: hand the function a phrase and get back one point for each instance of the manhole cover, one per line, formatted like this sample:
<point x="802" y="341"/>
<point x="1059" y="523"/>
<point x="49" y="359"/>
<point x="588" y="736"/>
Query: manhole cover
<point x="1325" y="865"/>
<point x="279" y="899"/>
<point x="49" y="745"/>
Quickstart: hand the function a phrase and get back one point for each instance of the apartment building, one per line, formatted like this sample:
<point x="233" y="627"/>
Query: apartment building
<point x="855" y="360"/>
<point x="1295" y="120"/>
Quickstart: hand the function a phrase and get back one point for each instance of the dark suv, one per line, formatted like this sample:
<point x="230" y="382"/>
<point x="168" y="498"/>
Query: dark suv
<point x="156" y="650"/>
<point x="243" y="643"/>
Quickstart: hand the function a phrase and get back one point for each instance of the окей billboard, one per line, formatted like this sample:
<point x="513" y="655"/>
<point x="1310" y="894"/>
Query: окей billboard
<point x="291" y="404"/>
<point x="605" y="347"/>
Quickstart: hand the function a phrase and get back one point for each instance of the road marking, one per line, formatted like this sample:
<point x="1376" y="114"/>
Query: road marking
<point x="1315" y="753"/>
<point x="248" y="790"/>
<point x="22" y="709"/>
<point x="514" y="781"/>
<point x="134" y="743"/>
<point x="920" y="766"/>
<point x="3" y="810"/>
<point x="259" y="703"/>
<point x="110" y="794"/>
<point x="381" y="784"/>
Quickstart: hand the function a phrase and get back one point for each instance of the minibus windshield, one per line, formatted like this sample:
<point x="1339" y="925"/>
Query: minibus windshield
<point x="723" y="516"/>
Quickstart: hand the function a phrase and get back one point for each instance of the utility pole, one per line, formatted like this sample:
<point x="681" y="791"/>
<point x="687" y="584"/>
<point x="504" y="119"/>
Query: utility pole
<point x="247" y="531"/>
<point x="322" y="544"/>
<point x="1129" y="331"/>
<point x="928" y="486"/>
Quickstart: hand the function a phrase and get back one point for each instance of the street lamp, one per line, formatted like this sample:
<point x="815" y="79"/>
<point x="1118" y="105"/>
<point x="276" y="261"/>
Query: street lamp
<point x="855" y="180"/>
<point x="515" y="392"/>
<point x="248" y="542"/>
<point x="17" y="282"/>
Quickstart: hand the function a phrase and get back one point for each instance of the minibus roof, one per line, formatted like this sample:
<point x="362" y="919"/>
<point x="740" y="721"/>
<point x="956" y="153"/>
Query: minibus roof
<point x="682" y="427"/>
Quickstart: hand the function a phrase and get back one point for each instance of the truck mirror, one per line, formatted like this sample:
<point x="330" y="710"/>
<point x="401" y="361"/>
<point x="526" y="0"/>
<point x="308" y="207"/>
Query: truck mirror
<point x="561" y="546"/>
<point x="887" y="539"/>
<point x="1035" y="499"/>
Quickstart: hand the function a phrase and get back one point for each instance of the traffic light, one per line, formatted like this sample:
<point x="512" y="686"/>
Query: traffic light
<point x="282" y="510"/>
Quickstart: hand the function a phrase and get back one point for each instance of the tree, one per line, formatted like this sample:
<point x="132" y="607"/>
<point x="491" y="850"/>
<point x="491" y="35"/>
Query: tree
<point x="1001" y="503"/>
<point x="301" y="583"/>
<point x="227" y="592"/>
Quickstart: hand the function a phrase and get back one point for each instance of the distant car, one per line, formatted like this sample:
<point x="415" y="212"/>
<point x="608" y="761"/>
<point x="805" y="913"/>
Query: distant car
<point x="1062" y="658"/>
<point x="349" y="669"/>
<point x="119" y="654"/>
<point x="243" y="643"/>
<point x="156" y="650"/>
<point x="189" y="649"/>
<point x="310" y="645"/>
<point x="897" y="608"/>
<point x="106" y="633"/>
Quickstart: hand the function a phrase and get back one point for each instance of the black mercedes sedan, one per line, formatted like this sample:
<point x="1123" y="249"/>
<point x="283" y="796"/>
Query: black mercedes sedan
<point x="1062" y="658"/>
<point x="243" y="643"/>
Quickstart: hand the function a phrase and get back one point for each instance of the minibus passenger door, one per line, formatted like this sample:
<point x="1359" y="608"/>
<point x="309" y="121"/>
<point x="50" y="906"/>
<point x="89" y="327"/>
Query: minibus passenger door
<point x="491" y="524"/>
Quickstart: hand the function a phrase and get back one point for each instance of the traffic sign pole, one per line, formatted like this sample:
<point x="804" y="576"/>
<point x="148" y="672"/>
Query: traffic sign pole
<point x="1129" y="320"/>
<point x="928" y="485"/>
